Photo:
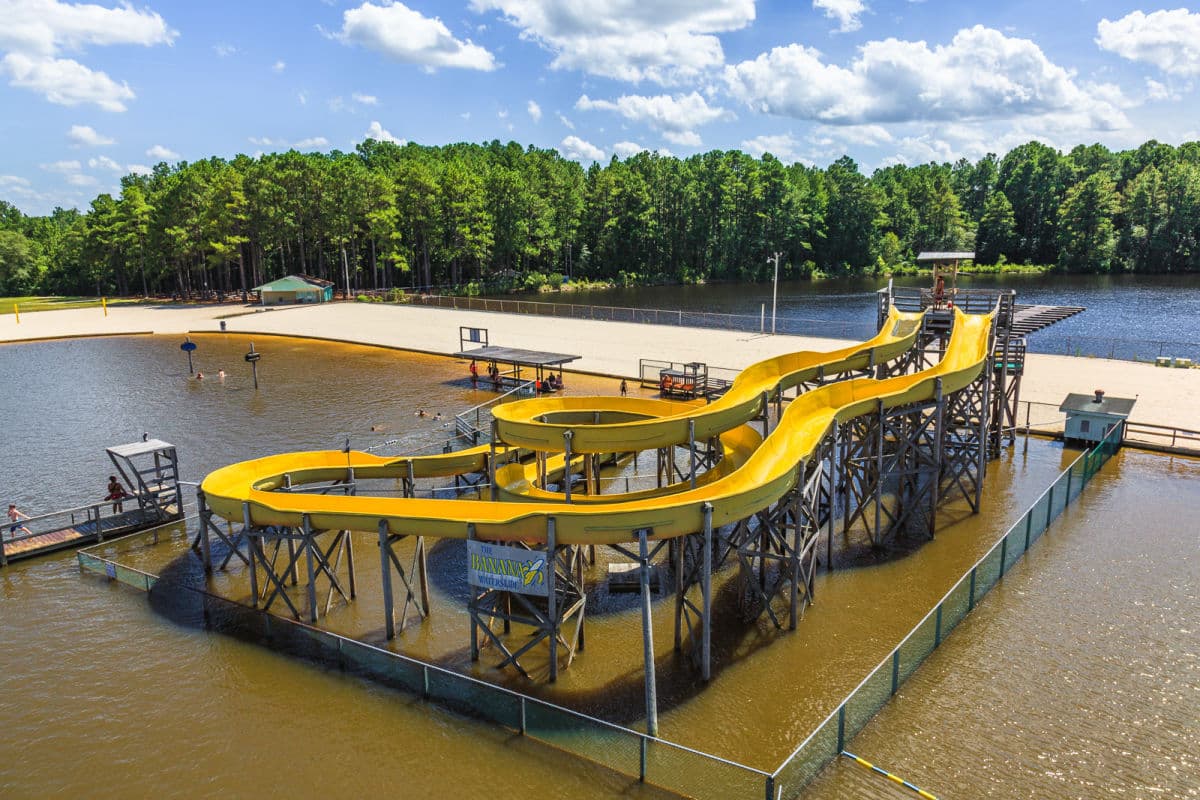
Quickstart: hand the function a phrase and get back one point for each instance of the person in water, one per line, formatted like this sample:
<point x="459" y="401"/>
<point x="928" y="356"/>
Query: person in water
<point x="199" y="376"/>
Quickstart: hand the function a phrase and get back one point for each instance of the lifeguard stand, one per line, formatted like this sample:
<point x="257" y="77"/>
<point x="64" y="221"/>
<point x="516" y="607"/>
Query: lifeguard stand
<point x="688" y="382"/>
<point x="150" y="469"/>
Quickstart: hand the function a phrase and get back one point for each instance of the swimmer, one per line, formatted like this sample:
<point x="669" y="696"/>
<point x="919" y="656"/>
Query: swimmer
<point x="221" y="375"/>
<point x="420" y="413"/>
<point x="199" y="376"/>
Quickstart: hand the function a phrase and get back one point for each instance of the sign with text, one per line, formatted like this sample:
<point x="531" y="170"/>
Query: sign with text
<point x="508" y="569"/>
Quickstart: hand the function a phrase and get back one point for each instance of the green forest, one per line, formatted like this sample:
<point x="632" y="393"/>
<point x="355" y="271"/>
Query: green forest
<point x="486" y="217"/>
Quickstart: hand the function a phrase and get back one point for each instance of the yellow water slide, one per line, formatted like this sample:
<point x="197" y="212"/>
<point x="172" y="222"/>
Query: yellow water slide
<point x="765" y="475"/>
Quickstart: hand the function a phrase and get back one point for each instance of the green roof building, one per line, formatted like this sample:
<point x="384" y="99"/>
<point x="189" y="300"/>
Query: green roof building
<point x="295" y="289"/>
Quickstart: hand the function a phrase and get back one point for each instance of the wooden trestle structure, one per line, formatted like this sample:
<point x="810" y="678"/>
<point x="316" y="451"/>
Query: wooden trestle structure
<point x="874" y="478"/>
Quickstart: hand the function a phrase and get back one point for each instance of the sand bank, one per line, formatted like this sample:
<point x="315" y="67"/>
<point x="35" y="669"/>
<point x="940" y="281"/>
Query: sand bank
<point x="1165" y="396"/>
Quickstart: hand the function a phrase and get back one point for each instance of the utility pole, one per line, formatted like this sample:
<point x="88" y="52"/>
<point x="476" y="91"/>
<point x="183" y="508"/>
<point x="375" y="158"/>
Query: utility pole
<point x="775" y="290"/>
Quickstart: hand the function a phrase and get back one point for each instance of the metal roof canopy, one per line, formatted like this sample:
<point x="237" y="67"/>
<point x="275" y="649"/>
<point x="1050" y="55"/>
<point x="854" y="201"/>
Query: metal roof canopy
<point x="139" y="448"/>
<point x="1087" y="403"/>
<point x="515" y="355"/>
<point x="949" y="256"/>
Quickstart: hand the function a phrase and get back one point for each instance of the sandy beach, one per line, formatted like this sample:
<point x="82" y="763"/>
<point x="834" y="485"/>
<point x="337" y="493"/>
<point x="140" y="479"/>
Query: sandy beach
<point x="1164" y="396"/>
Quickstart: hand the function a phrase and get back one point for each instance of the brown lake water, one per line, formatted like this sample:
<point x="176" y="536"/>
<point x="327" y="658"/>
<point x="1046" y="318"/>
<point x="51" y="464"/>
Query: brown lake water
<point x="103" y="697"/>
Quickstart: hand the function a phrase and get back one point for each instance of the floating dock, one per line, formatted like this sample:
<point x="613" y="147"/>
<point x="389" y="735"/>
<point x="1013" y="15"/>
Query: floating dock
<point x="149" y="468"/>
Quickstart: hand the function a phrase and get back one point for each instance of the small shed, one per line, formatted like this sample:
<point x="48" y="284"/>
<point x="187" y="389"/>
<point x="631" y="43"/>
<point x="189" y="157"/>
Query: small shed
<point x="295" y="289"/>
<point x="1090" y="417"/>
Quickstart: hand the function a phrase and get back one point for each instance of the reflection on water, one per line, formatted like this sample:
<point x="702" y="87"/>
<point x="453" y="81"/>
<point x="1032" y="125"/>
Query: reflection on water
<point x="1117" y="305"/>
<point x="111" y="699"/>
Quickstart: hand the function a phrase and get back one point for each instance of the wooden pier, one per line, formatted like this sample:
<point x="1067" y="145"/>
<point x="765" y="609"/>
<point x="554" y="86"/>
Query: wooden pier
<point x="150" y="469"/>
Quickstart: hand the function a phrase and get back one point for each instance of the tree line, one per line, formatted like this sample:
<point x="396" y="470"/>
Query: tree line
<point x="497" y="216"/>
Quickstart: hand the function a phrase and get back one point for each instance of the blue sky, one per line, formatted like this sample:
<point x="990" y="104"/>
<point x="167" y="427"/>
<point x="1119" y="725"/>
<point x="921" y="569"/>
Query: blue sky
<point x="89" y="92"/>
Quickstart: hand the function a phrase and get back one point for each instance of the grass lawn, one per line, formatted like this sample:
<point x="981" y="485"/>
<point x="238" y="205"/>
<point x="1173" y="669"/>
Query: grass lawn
<point x="31" y="304"/>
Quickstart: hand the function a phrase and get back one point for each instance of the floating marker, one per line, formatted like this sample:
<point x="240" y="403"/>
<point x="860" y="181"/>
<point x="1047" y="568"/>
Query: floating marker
<point x="188" y="346"/>
<point x="921" y="792"/>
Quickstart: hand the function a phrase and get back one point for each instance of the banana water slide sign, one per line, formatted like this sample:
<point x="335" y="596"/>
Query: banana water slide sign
<point x="509" y="569"/>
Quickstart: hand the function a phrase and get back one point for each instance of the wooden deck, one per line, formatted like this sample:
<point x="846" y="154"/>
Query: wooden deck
<point x="1029" y="319"/>
<point x="82" y="534"/>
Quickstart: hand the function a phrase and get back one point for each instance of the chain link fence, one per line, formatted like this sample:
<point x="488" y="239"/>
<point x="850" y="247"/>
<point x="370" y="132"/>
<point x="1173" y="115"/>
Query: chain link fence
<point x="852" y="714"/>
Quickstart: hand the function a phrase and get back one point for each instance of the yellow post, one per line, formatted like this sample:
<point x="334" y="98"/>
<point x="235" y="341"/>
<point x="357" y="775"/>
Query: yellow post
<point x="17" y="313"/>
<point x="104" y="305"/>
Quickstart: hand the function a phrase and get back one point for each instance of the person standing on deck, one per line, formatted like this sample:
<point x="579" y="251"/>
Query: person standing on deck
<point x="624" y="388"/>
<point x="116" y="493"/>
<point x="15" y="517"/>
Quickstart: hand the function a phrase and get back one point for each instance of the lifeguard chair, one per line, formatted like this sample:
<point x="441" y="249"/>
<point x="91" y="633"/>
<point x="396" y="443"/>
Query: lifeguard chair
<point x="150" y="469"/>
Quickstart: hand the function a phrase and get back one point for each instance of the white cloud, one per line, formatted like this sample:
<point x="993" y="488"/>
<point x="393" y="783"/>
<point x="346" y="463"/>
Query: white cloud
<point x="409" y="37"/>
<point x="86" y="136"/>
<point x="980" y="74"/>
<point x="684" y="138"/>
<point x="65" y="82"/>
<point x="381" y="134"/>
<point x="283" y="144"/>
<point x="1170" y="40"/>
<point x="535" y="111"/>
<point x="1159" y="91"/>
<point x="224" y="50"/>
<point x="160" y="153"/>
<point x="63" y="167"/>
<point x="627" y="149"/>
<point x="502" y="113"/>
<point x="279" y="66"/>
<point x="33" y="32"/>
<point x="79" y="179"/>
<point x="865" y="135"/>
<point x="8" y="181"/>
<point x="577" y="149"/>
<point x="665" y="42"/>
<point x="846" y="12"/>
<point x="365" y="99"/>
<point x="302" y="97"/>
<point x="566" y="123"/>
<point x="676" y="117"/>
<point x="138" y="169"/>
<point x="44" y="27"/>
<point x="104" y="162"/>
<point x="782" y="146"/>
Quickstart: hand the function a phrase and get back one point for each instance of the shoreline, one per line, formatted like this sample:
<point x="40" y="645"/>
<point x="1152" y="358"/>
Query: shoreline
<point x="607" y="349"/>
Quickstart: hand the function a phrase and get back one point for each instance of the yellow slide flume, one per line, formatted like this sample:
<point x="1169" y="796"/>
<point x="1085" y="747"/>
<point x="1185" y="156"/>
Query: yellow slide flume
<point x="768" y="473"/>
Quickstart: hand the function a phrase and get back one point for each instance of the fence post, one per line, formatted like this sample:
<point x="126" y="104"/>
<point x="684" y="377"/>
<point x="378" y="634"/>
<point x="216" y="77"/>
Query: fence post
<point x="642" y="759"/>
<point x="523" y="727"/>
<point x="841" y="727"/>
<point x="937" y="631"/>
<point x="971" y="601"/>
<point x="895" y="670"/>
<point x="1049" y="506"/>
<point x="1004" y="550"/>
<point x="1028" y="528"/>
